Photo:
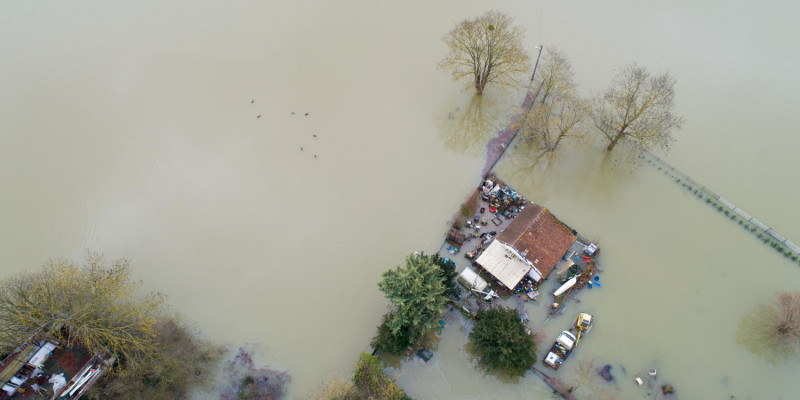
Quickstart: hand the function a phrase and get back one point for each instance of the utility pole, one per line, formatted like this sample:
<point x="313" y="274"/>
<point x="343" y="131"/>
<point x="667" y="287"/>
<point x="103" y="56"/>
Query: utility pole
<point x="540" y="47"/>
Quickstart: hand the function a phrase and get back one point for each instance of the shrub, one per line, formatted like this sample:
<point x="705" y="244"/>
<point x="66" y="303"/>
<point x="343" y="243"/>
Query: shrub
<point x="372" y="383"/>
<point x="247" y="382"/>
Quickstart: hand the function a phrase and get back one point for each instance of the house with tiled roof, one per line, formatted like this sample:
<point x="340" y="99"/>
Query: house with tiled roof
<point x="531" y="245"/>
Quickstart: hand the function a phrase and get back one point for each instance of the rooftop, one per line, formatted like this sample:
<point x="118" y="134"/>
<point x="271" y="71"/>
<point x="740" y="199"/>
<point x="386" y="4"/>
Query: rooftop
<point x="504" y="264"/>
<point x="539" y="237"/>
<point x="39" y="371"/>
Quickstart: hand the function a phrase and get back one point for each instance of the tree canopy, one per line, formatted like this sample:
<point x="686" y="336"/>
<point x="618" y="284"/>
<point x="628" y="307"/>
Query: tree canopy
<point x="558" y="113"/>
<point x="448" y="274"/>
<point x="182" y="364"/>
<point x="368" y="383"/>
<point x="635" y="112"/>
<point x="93" y="305"/>
<point x="417" y="292"/>
<point x="484" y="50"/>
<point x="500" y="343"/>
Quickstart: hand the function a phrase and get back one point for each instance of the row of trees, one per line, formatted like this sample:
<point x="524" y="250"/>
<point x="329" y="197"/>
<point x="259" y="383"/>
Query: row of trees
<point x="634" y="114"/>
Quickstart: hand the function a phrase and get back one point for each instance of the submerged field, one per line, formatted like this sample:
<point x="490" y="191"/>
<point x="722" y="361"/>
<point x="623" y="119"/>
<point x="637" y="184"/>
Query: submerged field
<point x="129" y="129"/>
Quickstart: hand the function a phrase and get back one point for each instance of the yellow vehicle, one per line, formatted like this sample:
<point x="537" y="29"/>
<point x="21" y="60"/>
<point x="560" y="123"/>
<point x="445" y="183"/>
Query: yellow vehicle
<point x="583" y="324"/>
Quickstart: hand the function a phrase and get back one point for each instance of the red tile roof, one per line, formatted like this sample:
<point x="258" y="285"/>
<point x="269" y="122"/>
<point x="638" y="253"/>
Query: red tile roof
<point x="539" y="236"/>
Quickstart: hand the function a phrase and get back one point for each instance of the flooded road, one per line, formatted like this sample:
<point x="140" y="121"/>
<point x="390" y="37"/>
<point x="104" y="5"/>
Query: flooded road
<point x="129" y="129"/>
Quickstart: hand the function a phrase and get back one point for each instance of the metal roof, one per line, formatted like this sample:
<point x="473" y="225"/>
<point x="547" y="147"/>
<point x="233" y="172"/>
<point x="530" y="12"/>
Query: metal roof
<point x="504" y="263"/>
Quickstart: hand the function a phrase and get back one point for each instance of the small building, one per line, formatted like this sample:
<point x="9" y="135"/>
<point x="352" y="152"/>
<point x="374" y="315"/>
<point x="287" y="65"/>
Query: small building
<point x="472" y="281"/>
<point x="531" y="245"/>
<point x="42" y="370"/>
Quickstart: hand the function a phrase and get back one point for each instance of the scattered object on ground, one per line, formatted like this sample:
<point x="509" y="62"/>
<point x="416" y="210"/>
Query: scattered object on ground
<point x="652" y="372"/>
<point x="425" y="354"/>
<point x="252" y="101"/>
<point x="258" y="116"/>
<point x="306" y="114"/>
<point x="605" y="373"/>
<point x="639" y="381"/>
<point x="456" y="236"/>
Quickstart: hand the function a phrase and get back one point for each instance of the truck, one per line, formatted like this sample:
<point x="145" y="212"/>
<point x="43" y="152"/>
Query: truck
<point x="567" y="341"/>
<point x="560" y="350"/>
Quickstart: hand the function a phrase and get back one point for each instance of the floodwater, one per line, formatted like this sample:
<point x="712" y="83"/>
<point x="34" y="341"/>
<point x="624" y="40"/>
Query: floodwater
<point x="128" y="128"/>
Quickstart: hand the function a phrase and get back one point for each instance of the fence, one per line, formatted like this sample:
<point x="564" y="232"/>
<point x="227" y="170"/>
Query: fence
<point x="736" y="214"/>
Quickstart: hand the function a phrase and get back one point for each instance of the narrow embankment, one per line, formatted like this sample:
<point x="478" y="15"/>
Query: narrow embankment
<point x="759" y="230"/>
<point x="497" y="146"/>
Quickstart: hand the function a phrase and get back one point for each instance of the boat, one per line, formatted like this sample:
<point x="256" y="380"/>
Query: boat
<point x="566" y="286"/>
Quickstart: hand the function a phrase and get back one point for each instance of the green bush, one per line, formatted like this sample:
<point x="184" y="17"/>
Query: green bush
<point x="371" y="383"/>
<point x="500" y="343"/>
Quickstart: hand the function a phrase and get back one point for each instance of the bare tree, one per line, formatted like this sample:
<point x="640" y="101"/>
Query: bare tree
<point x="636" y="111"/>
<point x="486" y="49"/>
<point x="559" y="112"/>
<point x="93" y="305"/>
<point x="556" y="75"/>
<point x="784" y="322"/>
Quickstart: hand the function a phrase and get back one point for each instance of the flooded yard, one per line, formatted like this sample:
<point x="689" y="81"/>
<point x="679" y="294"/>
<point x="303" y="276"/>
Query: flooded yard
<point x="175" y="134"/>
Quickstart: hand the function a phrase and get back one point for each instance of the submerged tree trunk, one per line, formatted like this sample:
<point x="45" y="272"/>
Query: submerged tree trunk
<point x="480" y="83"/>
<point x="613" y="143"/>
<point x="620" y="134"/>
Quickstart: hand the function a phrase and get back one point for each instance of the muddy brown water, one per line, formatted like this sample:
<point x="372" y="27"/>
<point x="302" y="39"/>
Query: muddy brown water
<point x="129" y="128"/>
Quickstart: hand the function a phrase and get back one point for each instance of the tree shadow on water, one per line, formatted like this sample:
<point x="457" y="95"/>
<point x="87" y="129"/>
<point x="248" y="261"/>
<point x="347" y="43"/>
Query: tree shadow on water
<point x="753" y="334"/>
<point x="467" y="130"/>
